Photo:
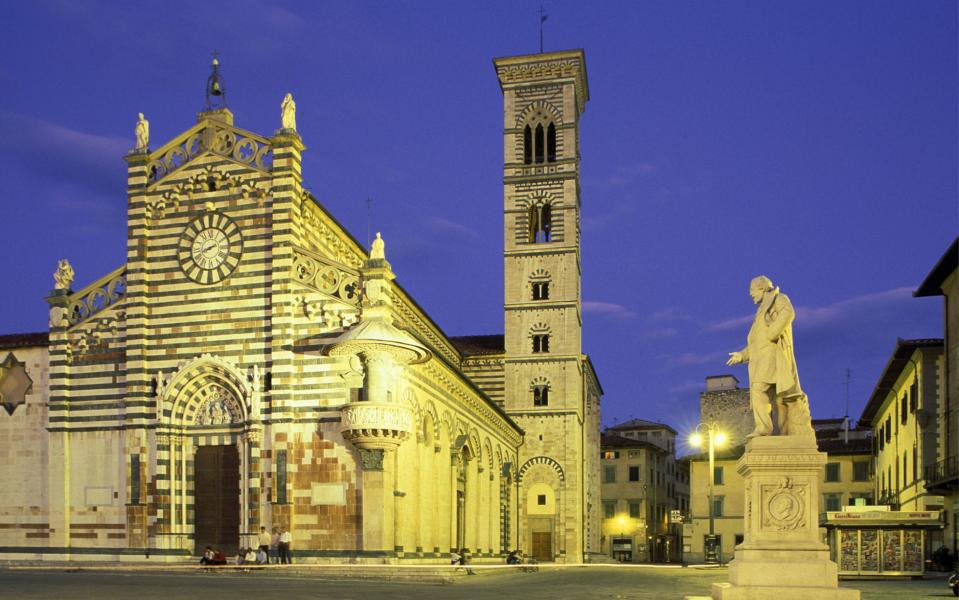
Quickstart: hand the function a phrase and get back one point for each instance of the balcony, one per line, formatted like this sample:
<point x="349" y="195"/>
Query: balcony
<point x="890" y="499"/>
<point x="943" y="476"/>
<point x="375" y="425"/>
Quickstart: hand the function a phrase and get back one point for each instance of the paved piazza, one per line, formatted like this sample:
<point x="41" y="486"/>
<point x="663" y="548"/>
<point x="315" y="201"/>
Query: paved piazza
<point x="571" y="583"/>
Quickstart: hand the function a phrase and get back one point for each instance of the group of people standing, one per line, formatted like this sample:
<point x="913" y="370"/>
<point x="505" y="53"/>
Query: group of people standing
<point x="276" y="545"/>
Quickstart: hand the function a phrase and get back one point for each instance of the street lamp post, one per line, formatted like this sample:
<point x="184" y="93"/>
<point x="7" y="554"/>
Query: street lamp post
<point x="714" y="437"/>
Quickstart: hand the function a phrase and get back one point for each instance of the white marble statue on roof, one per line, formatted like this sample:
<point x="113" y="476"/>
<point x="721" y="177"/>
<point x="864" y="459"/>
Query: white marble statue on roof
<point x="142" y="132"/>
<point x="288" y="113"/>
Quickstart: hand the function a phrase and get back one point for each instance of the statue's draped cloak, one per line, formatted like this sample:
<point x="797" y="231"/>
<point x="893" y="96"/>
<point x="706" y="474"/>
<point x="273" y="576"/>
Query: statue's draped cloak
<point x="769" y="348"/>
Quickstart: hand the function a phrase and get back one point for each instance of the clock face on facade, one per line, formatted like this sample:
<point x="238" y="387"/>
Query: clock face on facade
<point x="210" y="248"/>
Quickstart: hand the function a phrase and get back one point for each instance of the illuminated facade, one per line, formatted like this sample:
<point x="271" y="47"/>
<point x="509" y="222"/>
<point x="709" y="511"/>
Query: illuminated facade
<point x="250" y="364"/>
<point x="644" y="490"/>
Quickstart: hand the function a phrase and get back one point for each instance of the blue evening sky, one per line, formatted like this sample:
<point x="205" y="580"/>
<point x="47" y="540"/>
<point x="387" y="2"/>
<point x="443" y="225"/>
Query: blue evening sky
<point x="813" y="141"/>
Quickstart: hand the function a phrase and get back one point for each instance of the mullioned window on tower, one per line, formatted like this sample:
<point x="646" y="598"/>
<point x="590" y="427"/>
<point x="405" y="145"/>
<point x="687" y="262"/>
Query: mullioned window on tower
<point x="540" y="342"/>
<point x="539" y="143"/>
<point x="540" y="290"/>
<point x="540" y="222"/>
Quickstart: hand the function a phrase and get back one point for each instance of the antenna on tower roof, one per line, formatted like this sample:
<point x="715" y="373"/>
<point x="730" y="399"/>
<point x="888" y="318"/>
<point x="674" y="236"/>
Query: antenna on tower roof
<point x="369" y="219"/>
<point x="846" y="419"/>
<point x="542" y="19"/>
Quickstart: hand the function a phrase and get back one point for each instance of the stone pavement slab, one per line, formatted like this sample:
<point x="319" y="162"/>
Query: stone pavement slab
<point x="570" y="583"/>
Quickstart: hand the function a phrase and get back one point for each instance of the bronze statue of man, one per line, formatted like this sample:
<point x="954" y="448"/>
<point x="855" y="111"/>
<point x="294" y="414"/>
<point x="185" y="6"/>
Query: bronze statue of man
<point x="773" y="377"/>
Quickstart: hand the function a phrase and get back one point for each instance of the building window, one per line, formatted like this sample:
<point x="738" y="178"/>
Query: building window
<point x="888" y="429"/>
<point x="860" y="470"/>
<point x="541" y="499"/>
<point x="633" y="473"/>
<point x="904" y="408"/>
<point x="914" y="395"/>
<point x="634" y="509"/>
<point x="832" y="502"/>
<point x="881" y="436"/>
<point x="609" y="509"/>
<point x="135" y="479"/>
<point x="832" y="472"/>
<point x="539" y="145"/>
<point x="540" y="222"/>
<point x="540" y="290"/>
<point x="281" y="476"/>
<point x="540" y="395"/>
<point x="551" y="143"/>
<point x="717" y="476"/>
<point x="905" y="468"/>
<point x="527" y="145"/>
<point x="540" y="343"/>
<point x="609" y="474"/>
<point x="609" y="454"/>
<point x="718" y="504"/>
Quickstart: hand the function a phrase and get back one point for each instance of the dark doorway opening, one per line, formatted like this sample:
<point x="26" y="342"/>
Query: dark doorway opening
<point x="216" y="499"/>
<point x="543" y="546"/>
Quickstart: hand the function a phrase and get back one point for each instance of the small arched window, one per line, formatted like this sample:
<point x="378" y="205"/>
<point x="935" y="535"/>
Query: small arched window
<point x="540" y="290"/>
<point x="539" y="149"/>
<point x="539" y="284"/>
<point x="551" y="143"/>
<point x="541" y="395"/>
<point x="527" y="145"/>
<point x="540" y="343"/>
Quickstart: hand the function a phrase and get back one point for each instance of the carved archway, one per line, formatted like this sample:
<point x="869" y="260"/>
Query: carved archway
<point x="542" y="460"/>
<point x="207" y="402"/>
<point x="206" y="391"/>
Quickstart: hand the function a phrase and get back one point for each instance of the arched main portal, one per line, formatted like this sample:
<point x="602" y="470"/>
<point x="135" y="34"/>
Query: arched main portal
<point x="541" y="481"/>
<point x="206" y="417"/>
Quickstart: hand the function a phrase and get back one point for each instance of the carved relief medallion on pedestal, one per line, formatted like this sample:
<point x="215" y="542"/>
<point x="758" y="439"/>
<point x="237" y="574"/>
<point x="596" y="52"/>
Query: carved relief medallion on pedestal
<point x="784" y="506"/>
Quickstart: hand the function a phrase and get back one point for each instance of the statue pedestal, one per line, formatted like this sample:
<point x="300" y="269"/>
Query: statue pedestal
<point x="782" y="555"/>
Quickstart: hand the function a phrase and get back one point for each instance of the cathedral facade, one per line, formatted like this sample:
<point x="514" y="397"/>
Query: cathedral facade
<point x="250" y="364"/>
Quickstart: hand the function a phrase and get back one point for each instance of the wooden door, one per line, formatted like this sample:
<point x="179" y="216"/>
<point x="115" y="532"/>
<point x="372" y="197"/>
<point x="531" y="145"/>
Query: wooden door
<point x="543" y="547"/>
<point x="216" y="499"/>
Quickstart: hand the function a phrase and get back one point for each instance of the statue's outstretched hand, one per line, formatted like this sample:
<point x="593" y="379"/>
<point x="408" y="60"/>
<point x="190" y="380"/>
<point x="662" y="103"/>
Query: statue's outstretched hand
<point x="734" y="358"/>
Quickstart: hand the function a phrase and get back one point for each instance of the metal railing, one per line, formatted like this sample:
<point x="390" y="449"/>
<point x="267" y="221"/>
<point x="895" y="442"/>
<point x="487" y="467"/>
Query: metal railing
<point x="890" y="499"/>
<point x="944" y="473"/>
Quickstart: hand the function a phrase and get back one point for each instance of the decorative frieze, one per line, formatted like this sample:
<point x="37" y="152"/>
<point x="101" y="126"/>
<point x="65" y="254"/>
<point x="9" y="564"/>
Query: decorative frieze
<point x="376" y="425"/>
<point x="326" y="277"/>
<point x="330" y="238"/>
<point x="102" y="294"/>
<point x="204" y="180"/>
<point x="232" y="143"/>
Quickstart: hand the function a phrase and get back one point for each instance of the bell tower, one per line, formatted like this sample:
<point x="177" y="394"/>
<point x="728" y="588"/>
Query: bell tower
<point x="550" y="389"/>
